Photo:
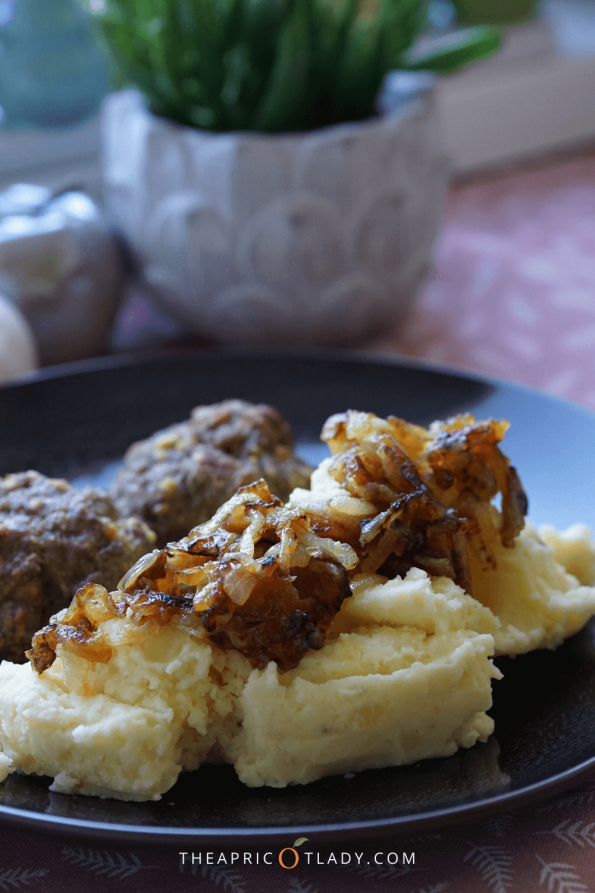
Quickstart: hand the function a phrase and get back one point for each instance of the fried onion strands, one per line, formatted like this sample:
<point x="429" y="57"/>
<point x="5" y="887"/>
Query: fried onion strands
<point x="267" y="579"/>
<point x="255" y="577"/>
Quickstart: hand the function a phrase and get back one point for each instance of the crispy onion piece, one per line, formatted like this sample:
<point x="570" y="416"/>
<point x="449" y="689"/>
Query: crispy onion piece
<point x="256" y="578"/>
<point x="466" y="467"/>
<point x="432" y="491"/>
<point x="75" y="628"/>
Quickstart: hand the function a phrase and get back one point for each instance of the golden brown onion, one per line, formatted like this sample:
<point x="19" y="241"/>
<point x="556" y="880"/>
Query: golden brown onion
<point x="255" y="578"/>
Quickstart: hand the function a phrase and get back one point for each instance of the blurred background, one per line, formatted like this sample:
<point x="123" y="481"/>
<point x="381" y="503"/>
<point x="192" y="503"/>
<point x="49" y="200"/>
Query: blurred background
<point x="505" y="284"/>
<point x="535" y="94"/>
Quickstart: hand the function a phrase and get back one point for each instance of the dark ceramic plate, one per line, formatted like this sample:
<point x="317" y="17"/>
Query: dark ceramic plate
<point x="79" y="424"/>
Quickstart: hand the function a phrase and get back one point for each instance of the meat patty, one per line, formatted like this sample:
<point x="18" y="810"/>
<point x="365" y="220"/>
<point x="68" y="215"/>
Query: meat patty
<point x="54" y="539"/>
<point x="180" y="476"/>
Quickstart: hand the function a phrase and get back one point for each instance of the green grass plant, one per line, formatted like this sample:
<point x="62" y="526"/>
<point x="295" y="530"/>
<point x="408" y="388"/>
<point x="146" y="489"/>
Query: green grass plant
<point x="269" y="65"/>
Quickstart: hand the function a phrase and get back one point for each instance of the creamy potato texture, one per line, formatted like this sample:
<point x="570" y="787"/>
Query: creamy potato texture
<point x="541" y="591"/>
<point x="405" y="672"/>
<point x="405" y="675"/>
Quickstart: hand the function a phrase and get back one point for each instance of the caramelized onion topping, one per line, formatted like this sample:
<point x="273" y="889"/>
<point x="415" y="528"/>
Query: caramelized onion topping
<point x="267" y="579"/>
<point x="255" y="578"/>
<point x="432" y="490"/>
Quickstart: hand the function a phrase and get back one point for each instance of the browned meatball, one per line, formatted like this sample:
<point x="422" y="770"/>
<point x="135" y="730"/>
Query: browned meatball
<point x="180" y="476"/>
<point x="54" y="539"/>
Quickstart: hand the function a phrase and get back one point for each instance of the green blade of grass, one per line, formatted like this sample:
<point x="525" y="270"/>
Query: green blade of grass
<point x="283" y="103"/>
<point x="453" y="52"/>
<point x="272" y="65"/>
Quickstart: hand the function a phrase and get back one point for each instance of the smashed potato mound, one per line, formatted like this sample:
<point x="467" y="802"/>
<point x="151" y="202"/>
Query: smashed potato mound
<point x="378" y="693"/>
<point x="574" y="549"/>
<point x="351" y="628"/>
<point x="453" y="472"/>
<point x="536" y="601"/>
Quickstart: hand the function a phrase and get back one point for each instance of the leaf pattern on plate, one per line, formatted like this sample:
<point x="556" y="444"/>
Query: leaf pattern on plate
<point x="585" y="797"/>
<point x="228" y="879"/>
<point x="13" y="878"/>
<point x="501" y="825"/>
<point x="493" y="864"/>
<point x="575" y="833"/>
<point x="561" y="877"/>
<point x="297" y="886"/>
<point x="112" y="865"/>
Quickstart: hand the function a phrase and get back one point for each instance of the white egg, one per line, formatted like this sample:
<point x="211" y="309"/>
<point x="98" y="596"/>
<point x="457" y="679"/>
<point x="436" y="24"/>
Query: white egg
<point x="18" y="349"/>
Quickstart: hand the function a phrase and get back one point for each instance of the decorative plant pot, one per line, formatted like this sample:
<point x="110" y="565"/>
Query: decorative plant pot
<point x="313" y="238"/>
<point x="494" y="12"/>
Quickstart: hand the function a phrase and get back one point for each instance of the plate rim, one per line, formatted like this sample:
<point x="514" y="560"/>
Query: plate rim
<point x="363" y="356"/>
<point x="404" y="824"/>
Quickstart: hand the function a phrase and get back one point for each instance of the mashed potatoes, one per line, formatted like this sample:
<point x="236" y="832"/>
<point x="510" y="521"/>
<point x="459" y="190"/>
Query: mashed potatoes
<point x="407" y="676"/>
<point x="537" y="602"/>
<point x="574" y="549"/>
<point x="387" y="690"/>
<point x="534" y="589"/>
<point x="330" y="635"/>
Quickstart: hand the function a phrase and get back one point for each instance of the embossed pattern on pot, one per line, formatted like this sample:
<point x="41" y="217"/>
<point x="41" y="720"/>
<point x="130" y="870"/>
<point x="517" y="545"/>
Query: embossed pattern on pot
<point x="313" y="238"/>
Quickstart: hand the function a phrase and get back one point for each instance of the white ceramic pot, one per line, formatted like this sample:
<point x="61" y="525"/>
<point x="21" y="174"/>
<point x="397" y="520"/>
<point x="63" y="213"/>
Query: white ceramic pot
<point x="313" y="238"/>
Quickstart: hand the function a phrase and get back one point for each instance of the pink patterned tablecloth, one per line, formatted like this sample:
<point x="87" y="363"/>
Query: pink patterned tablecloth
<point x="513" y="296"/>
<point x="547" y="848"/>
